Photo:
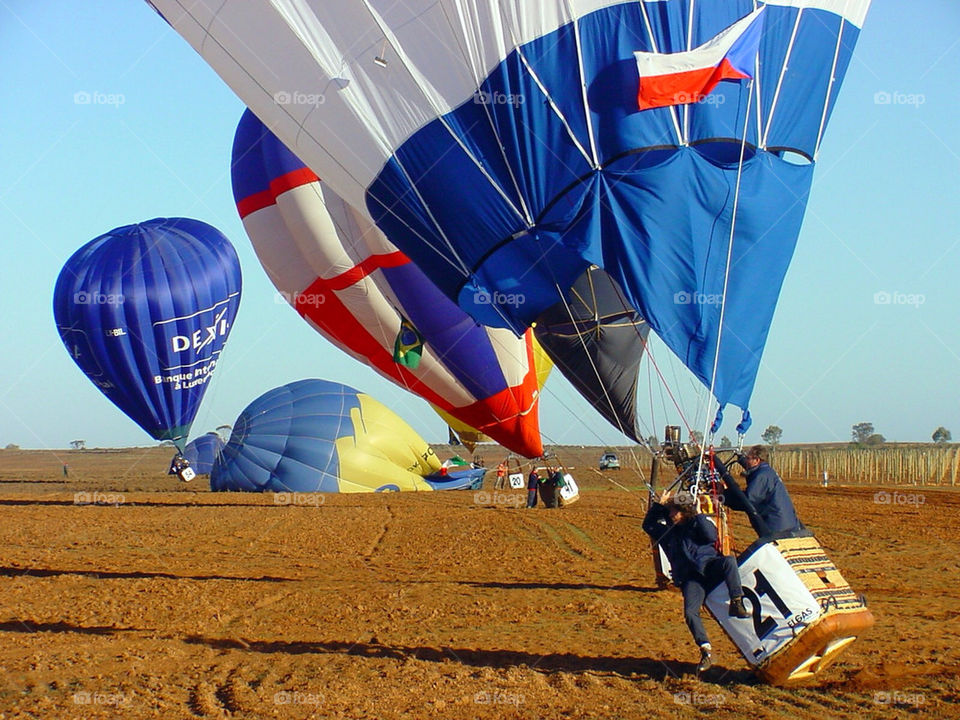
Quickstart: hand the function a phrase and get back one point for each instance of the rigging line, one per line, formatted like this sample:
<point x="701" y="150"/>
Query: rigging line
<point x="664" y="384"/>
<point x="583" y="86"/>
<point x="586" y="352"/>
<point x="470" y="59"/>
<point x="726" y="280"/>
<point x="653" y="44"/>
<point x="783" y="71"/>
<point x="552" y="104"/>
<point x="648" y="352"/>
<point x="756" y="79"/>
<point x="422" y="83"/>
<point x="686" y="107"/>
<point x="826" y="100"/>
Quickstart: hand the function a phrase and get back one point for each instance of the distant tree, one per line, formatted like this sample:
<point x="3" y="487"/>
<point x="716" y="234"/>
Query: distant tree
<point x="11" y="446"/>
<point x="78" y="444"/>
<point x="942" y="435"/>
<point x="167" y="443"/>
<point x="696" y="436"/>
<point x="876" y="439"/>
<point x="771" y="436"/>
<point x="861" y="432"/>
<point x="725" y="442"/>
<point x="653" y="443"/>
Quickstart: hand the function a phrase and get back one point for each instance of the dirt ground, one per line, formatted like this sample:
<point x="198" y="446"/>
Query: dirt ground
<point x="126" y="594"/>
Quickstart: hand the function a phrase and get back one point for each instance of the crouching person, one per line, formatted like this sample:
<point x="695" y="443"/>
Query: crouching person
<point x="689" y="541"/>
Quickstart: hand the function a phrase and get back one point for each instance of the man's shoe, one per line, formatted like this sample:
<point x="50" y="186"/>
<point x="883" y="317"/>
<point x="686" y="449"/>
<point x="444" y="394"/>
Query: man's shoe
<point x="737" y="609"/>
<point x="706" y="659"/>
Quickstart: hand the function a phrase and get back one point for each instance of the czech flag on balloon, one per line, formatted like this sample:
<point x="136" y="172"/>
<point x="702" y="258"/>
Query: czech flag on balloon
<point x="687" y="77"/>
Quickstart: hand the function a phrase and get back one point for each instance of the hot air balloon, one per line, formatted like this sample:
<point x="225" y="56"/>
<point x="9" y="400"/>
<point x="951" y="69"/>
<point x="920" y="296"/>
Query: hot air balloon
<point x="201" y="453"/>
<point x="597" y="340"/>
<point x="507" y="146"/>
<point x="145" y="311"/>
<point x="320" y="436"/>
<point x="349" y="283"/>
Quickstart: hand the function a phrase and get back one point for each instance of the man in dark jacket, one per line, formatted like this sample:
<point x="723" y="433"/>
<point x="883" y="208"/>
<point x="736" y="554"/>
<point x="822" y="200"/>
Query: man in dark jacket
<point x="532" y="482"/>
<point x="689" y="541"/>
<point x="765" y="492"/>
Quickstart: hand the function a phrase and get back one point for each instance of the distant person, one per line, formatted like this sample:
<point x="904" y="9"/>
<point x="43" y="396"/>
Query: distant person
<point x="765" y="493"/>
<point x="66" y="470"/>
<point x="501" y="476"/>
<point x="689" y="541"/>
<point x="533" y="482"/>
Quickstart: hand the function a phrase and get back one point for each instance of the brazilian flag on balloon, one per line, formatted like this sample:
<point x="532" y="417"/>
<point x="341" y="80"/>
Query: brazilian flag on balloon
<point x="408" y="348"/>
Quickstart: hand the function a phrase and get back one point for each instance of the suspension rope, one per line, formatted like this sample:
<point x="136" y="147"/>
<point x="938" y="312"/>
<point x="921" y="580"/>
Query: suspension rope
<point x="726" y="279"/>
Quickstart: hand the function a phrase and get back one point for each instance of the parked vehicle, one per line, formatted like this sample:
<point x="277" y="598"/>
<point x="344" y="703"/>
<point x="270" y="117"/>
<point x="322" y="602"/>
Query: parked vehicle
<point x="609" y="461"/>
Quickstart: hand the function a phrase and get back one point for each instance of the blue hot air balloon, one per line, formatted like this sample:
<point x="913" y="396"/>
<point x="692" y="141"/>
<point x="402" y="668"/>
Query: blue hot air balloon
<point x="201" y="453"/>
<point x="144" y="310"/>
<point x="507" y="146"/>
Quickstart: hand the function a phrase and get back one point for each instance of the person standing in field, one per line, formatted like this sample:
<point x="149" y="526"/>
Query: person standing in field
<point x="533" y="481"/>
<point x="765" y="491"/>
<point x="501" y="476"/>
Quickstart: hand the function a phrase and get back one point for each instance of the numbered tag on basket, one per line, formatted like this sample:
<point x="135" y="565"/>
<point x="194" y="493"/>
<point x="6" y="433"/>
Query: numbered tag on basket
<point x="779" y="603"/>
<point x="516" y="481"/>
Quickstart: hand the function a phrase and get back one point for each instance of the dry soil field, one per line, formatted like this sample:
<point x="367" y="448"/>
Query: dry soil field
<point x="125" y="594"/>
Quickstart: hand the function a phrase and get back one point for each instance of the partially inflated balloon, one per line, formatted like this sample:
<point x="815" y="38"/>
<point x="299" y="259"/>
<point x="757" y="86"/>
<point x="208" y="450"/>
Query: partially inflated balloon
<point x="145" y="311"/>
<point x="349" y="283"/>
<point x="321" y="436"/>
<point x="504" y="146"/>
<point x="597" y="340"/>
<point x="202" y="453"/>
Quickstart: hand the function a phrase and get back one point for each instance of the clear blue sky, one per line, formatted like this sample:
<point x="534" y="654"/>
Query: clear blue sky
<point x="884" y="217"/>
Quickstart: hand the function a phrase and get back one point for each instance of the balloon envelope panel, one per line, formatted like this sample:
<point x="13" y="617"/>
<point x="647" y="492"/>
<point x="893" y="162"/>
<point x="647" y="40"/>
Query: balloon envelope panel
<point x="320" y="436"/>
<point x="352" y="285"/>
<point x="145" y="311"/>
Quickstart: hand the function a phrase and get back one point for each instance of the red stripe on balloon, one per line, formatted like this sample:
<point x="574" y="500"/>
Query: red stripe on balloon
<point x="278" y="186"/>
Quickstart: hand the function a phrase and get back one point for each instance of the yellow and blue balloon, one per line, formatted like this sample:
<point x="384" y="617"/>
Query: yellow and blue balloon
<point x="321" y="436"/>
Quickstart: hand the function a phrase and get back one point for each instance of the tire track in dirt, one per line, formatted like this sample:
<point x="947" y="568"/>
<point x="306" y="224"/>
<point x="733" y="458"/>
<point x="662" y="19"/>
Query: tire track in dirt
<point x="226" y="693"/>
<point x="585" y="537"/>
<point x="381" y="533"/>
<point x="545" y="532"/>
